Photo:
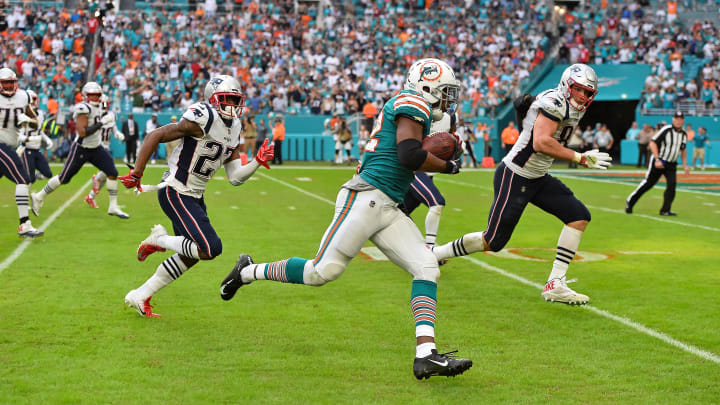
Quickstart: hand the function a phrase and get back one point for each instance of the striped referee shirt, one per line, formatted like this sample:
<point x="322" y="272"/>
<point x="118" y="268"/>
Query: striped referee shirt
<point x="670" y="142"/>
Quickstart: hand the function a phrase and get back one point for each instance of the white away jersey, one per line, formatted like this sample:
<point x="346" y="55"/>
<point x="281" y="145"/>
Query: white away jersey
<point x="195" y="160"/>
<point x="94" y="114"/>
<point x="106" y="131"/>
<point x="10" y="109"/>
<point x="523" y="159"/>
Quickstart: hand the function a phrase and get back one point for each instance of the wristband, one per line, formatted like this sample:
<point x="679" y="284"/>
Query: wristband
<point x="579" y="158"/>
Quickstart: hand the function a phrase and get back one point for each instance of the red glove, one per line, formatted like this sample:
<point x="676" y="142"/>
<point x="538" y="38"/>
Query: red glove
<point x="265" y="153"/>
<point x="458" y="148"/>
<point x="131" y="180"/>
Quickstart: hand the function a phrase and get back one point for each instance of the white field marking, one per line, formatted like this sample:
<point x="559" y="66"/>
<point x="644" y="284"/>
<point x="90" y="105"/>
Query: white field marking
<point x="457" y="209"/>
<point x="708" y="228"/>
<point x="643" y="252"/>
<point x="462" y="183"/>
<point x="709" y="204"/>
<point x="658" y="185"/>
<point x="671" y="221"/>
<point x="235" y="207"/>
<point x="303" y="179"/>
<point x="296" y="188"/>
<point x="625" y="321"/>
<point x="292" y="208"/>
<point x="24" y="244"/>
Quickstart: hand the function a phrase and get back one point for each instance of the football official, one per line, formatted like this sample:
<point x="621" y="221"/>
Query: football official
<point x="665" y="147"/>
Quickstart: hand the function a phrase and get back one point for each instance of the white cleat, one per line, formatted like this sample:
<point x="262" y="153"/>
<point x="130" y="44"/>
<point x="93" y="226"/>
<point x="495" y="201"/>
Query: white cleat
<point x="118" y="213"/>
<point x="150" y="244"/>
<point x="141" y="305"/>
<point x="37" y="202"/>
<point x="27" y="230"/>
<point x="556" y="290"/>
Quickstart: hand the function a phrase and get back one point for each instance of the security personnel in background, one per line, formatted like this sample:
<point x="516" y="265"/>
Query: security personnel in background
<point x="665" y="147"/>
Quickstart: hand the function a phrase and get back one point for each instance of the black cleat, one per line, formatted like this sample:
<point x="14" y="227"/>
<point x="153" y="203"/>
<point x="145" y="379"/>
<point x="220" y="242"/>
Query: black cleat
<point x="668" y="214"/>
<point x="628" y="208"/>
<point x="233" y="281"/>
<point x="439" y="364"/>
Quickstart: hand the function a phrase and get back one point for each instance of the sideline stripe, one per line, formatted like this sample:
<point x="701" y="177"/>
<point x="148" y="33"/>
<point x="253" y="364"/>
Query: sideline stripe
<point x="622" y="212"/>
<point x="625" y="321"/>
<point x="24" y="244"/>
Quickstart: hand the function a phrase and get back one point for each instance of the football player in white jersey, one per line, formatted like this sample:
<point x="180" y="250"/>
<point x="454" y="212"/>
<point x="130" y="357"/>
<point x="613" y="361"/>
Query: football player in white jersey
<point x="424" y="191"/>
<point x="522" y="177"/>
<point x="106" y="131"/>
<point x="32" y="140"/>
<point x="87" y="147"/>
<point x="15" y="112"/>
<point x="209" y="134"/>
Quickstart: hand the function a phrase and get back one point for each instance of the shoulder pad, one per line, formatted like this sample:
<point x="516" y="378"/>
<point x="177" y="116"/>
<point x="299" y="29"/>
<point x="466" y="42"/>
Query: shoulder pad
<point x="81" y="108"/>
<point x="201" y="114"/>
<point x="411" y="103"/>
<point x="552" y="103"/>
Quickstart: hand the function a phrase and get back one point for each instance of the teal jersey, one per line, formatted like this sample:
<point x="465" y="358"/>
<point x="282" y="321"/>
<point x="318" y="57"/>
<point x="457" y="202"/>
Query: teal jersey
<point x="381" y="167"/>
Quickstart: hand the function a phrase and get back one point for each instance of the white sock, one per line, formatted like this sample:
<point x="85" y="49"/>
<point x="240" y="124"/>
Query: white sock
<point x="252" y="273"/>
<point x="469" y="243"/>
<point x="167" y="272"/>
<point x="101" y="178"/>
<point x="22" y="199"/>
<point x="51" y="185"/>
<point x="424" y="349"/>
<point x="432" y="223"/>
<point x="179" y="244"/>
<point x="112" y="192"/>
<point x="567" y="246"/>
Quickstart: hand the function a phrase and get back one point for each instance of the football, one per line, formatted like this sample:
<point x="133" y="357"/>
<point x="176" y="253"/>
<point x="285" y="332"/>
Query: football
<point x="440" y="144"/>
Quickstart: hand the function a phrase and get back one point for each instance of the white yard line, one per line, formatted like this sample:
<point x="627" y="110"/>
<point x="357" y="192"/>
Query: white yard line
<point x="24" y="244"/>
<point x="615" y="211"/>
<point x="625" y="321"/>
<point x="659" y="185"/>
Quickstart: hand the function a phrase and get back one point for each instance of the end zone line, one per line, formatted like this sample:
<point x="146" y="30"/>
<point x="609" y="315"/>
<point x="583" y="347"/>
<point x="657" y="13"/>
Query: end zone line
<point x="24" y="244"/>
<point x="625" y="321"/>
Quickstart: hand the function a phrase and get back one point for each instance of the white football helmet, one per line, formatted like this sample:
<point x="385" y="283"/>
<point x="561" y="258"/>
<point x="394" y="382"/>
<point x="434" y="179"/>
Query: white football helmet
<point x="575" y="78"/>
<point x="92" y="92"/>
<point x="436" y="81"/>
<point x="225" y="94"/>
<point x="8" y="82"/>
<point x="34" y="99"/>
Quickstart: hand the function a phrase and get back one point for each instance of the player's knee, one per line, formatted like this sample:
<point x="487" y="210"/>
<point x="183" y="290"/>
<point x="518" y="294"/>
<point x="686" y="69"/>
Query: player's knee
<point x="496" y="244"/>
<point x="215" y="248"/>
<point x="328" y="271"/>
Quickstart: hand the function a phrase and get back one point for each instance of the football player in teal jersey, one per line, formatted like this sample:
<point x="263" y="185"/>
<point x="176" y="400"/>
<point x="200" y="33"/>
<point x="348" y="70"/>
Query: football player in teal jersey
<point x="366" y="208"/>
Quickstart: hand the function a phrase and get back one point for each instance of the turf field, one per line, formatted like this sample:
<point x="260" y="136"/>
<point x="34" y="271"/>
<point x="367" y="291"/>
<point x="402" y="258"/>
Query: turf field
<point x="650" y="335"/>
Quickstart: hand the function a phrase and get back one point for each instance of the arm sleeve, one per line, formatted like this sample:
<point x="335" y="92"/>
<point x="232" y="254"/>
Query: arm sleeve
<point x="238" y="173"/>
<point x="411" y="154"/>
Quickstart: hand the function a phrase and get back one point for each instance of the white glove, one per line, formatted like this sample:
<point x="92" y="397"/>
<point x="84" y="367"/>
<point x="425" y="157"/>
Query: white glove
<point x="119" y="136"/>
<point x="24" y="118"/>
<point x="593" y="159"/>
<point x="20" y="150"/>
<point x="107" y="119"/>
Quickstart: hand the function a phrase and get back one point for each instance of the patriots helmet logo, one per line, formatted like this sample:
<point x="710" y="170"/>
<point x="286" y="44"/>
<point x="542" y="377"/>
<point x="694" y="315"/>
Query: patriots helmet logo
<point x="215" y="82"/>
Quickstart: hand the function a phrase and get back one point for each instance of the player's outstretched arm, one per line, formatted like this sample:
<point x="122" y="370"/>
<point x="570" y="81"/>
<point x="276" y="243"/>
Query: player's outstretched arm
<point x="238" y="173"/>
<point x="543" y="142"/>
<point x="166" y="133"/>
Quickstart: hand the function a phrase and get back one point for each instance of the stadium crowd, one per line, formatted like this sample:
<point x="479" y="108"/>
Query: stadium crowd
<point x="153" y="60"/>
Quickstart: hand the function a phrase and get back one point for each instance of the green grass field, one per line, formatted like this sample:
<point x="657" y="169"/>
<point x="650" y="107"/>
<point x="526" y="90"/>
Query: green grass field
<point x="650" y="335"/>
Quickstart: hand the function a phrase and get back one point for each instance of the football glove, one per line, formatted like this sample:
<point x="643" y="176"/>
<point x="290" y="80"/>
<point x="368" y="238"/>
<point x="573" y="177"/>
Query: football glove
<point x="593" y="159"/>
<point x="458" y="148"/>
<point x="452" y="167"/>
<point x="107" y="119"/>
<point x="119" y="135"/>
<point x="131" y="180"/>
<point x="265" y="153"/>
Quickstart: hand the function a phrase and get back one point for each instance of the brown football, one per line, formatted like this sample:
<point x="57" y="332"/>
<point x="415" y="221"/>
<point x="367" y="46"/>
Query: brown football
<point x="440" y="144"/>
